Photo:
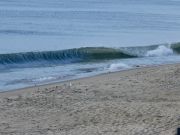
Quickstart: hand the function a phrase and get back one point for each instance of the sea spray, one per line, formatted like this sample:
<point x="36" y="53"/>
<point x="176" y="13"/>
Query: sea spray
<point x="160" y="51"/>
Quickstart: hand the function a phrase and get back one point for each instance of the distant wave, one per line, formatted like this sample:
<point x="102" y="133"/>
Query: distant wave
<point x="86" y="54"/>
<point x="28" y="32"/>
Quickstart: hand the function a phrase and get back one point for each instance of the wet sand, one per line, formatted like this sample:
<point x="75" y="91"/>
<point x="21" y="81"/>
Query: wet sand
<point x="144" y="101"/>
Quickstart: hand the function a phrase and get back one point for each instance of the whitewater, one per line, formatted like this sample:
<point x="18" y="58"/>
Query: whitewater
<point x="49" y="41"/>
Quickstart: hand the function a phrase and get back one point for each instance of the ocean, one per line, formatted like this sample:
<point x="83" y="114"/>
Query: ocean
<point x="45" y="41"/>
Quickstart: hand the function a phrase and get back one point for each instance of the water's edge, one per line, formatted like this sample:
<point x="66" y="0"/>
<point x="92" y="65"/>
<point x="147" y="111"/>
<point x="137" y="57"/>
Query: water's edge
<point x="53" y="84"/>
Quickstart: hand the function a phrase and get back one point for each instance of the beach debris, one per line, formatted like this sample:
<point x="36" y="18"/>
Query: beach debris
<point x="70" y="84"/>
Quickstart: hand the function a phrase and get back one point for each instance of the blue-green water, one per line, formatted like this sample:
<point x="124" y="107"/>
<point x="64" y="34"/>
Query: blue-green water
<point x="34" y="25"/>
<point x="43" y="41"/>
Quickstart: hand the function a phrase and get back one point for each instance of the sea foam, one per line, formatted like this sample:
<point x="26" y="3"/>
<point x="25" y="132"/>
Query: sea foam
<point x="118" y="66"/>
<point x="160" y="51"/>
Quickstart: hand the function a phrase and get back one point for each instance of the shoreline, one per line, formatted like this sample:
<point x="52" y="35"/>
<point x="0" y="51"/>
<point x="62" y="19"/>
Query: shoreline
<point x="144" y="100"/>
<point x="82" y="78"/>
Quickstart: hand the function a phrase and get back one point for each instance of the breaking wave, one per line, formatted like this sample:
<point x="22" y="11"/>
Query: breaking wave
<point x="160" y="51"/>
<point x="61" y="57"/>
<point x="85" y="54"/>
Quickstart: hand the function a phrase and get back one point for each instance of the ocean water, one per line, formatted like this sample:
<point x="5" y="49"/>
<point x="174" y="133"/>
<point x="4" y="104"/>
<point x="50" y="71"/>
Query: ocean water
<point x="43" y="41"/>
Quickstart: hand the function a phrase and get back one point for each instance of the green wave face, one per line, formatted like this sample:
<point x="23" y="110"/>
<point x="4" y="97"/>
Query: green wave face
<point x="176" y="47"/>
<point x="98" y="53"/>
<point x="64" y="56"/>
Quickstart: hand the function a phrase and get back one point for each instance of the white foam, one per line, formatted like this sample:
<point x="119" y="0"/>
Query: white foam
<point x="160" y="51"/>
<point x="118" y="66"/>
<point x="42" y="79"/>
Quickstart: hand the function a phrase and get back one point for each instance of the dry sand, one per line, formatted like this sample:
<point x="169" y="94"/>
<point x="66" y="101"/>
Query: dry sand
<point x="143" y="101"/>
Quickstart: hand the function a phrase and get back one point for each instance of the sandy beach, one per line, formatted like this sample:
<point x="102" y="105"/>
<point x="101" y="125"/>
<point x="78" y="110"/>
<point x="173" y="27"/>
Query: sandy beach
<point x="144" y="101"/>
